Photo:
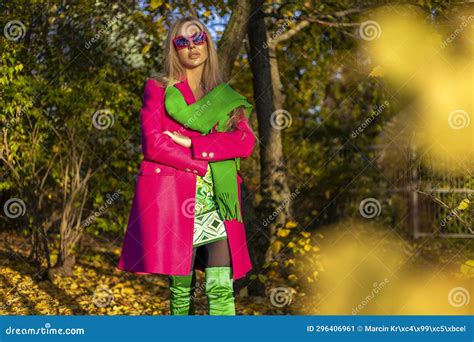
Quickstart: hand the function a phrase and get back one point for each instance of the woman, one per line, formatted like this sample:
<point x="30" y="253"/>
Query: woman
<point x="186" y="211"/>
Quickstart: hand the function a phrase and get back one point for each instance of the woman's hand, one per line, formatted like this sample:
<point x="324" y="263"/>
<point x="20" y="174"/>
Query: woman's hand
<point x="179" y="138"/>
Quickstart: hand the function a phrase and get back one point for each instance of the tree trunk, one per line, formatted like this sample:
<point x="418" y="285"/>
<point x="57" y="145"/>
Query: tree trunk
<point x="75" y="192"/>
<point x="230" y="44"/>
<point x="274" y="187"/>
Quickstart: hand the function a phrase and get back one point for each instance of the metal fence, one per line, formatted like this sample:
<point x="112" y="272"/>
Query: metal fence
<point x="411" y="193"/>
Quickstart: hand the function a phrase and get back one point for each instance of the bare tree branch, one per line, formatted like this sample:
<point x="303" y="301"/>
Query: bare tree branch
<point x="440" y="202"/>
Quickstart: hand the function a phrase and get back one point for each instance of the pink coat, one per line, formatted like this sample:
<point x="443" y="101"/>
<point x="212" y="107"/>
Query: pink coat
<point x="159" y="235"/>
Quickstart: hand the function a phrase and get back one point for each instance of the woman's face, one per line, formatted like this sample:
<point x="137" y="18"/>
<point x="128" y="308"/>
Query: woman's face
<point x="192" y="55"/>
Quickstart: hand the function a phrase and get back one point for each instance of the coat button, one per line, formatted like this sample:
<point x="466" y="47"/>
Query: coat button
<point x="187" y="169"/>
<point x="157" y="170"/>
<point x="204" y="154"/>
<point x="195" y="171"/>
<point x="211" y="154"/>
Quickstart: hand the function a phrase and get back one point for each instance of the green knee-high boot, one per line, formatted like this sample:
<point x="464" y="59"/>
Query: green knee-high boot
<point x="220" y="290"/>
<point x="182" y="294"/>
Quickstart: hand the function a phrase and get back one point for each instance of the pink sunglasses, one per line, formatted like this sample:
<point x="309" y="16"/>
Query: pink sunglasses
<point x="198" y="38"/>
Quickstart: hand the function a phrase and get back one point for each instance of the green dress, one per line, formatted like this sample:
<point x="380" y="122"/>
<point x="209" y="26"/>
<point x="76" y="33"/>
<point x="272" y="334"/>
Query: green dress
<point x="208" y="223"/>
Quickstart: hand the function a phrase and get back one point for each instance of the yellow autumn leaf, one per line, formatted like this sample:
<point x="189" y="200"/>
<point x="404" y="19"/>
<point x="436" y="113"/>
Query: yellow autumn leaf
<point x="291" y="244"/>
<point x="128" y="290"/>
<point x="464" y="204"/>
<point x="276" y="246"/>
<point x="292" y="277"/>
<point x="262" y="278"/>
<point x="377" y="72"/>
<point x="306" y="234"/>
<point x="307" y="248"/>
<point x="467" y="268"/>
<point x="283" y="232"/>
<point x="291" y="224"/>
<point x="154" y="4"/>
<point x="146" y="48"/>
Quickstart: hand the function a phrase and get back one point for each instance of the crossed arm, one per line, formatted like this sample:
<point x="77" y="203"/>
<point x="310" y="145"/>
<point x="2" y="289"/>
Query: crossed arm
<point x="215" y="146"/>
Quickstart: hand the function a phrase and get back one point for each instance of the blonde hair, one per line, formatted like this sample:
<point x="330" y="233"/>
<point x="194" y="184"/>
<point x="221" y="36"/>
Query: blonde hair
<point x="173" y="71"/>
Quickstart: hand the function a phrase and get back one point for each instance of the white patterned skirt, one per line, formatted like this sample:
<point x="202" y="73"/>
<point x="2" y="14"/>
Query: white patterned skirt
<point x="208" y="222"/>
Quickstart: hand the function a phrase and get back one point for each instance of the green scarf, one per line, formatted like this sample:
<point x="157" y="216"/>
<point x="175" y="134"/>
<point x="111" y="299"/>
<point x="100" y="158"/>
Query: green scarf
<point x="201" y="116"/>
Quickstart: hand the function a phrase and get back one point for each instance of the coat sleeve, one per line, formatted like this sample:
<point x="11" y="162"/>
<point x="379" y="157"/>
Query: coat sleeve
<point x="215" y="146"/>
<point x="158" y="146"/>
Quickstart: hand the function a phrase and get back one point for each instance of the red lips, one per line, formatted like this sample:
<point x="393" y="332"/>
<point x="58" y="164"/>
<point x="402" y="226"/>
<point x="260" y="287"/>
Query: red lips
<point x="194" y="55"/>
